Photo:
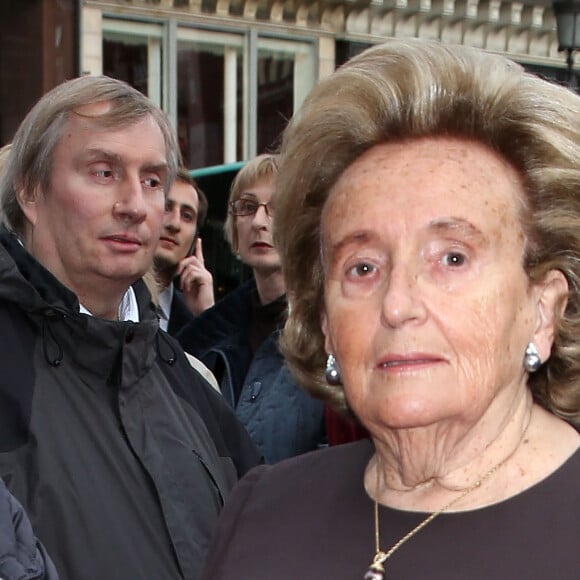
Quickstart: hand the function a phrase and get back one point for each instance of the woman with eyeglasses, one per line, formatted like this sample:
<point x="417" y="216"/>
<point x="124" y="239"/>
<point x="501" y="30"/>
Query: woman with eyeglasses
<point x="238" y="337"/>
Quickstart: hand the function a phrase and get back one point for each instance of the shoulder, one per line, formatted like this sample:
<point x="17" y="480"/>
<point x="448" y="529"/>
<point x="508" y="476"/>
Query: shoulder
<point x="308" y="475"/>
<point x="21" y="554"/>
<point x="277" y="506"/>
<point x="229" y="436"/>
<point x="187" y="380"/>
<point x="180" y="315"/>
<point x="233" y="305"/>
<point x="227" y="316"/>
<point x="569" y="473"/>
<point x="203" y="371"/>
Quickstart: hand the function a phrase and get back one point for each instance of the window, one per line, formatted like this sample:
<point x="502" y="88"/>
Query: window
<point x="209" y="97"/>
<point x="132" y="53"/>
<point x="285" y="76"/>
<point x="229" y="93"/>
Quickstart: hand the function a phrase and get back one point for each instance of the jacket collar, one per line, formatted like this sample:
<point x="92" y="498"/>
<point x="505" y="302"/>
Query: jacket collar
<point x="117" y="352"/>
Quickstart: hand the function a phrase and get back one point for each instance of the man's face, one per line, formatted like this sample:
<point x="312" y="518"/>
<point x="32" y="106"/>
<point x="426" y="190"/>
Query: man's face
<point x="97" y="226"/>
<point x="179" y="226"/>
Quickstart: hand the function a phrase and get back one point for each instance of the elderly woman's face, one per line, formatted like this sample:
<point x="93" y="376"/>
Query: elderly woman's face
<point x="427" y="306"/>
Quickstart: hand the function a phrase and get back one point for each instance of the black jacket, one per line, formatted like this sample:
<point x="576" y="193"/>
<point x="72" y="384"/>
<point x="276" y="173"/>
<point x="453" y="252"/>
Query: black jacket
<point x="22" y="556"/>
<point x="180" y="314"/>
<point x="282" y="419"/>
<point x="119" y="451"/>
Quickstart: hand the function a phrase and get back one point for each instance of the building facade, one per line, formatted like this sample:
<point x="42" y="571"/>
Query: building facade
<point x="230" y="73"/>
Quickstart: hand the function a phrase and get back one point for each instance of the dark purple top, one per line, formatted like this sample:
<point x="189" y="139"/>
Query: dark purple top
<point x="309" y="518"/>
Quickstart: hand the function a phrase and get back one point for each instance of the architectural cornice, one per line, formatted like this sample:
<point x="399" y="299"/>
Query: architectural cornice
<point x="521" y="29"/>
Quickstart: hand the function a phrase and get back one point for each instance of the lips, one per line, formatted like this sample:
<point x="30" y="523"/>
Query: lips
<point x="123" y="242"/>
<point x="168" y="240"/>
<point x="124" y="238"/>
<point x="408" y="361"/>
<point x="261" y="245"/>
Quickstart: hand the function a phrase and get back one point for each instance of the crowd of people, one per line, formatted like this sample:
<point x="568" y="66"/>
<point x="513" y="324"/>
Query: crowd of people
<point x="415" y="290"/>
<point x="238" y="337"/>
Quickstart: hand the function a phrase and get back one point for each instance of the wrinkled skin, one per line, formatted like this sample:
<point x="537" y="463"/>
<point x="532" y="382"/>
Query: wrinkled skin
<point x="97" y="226"/>
<point x="427" y="306"/>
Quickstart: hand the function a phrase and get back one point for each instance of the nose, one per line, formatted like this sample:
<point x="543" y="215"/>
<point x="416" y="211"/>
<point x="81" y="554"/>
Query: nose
<point x="171" y="220"/>
<point x="262" y="217"/>
<point x="130" y="206"/>
<point x="402" y="302"/>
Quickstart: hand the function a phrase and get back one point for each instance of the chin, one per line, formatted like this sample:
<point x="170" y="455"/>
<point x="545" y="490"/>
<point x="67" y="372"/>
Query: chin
<point x="129" y="274"/>
<point x="403" y="413"/>
<point x="163" y="258"/>
<point x="266" y="265"/>
<point x="165" y="262"/>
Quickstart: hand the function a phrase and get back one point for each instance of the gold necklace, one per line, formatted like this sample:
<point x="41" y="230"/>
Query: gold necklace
<point x="376" y="570"/>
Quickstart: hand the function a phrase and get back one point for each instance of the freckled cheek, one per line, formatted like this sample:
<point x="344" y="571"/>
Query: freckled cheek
<point x="483" y="350"/>
<point x="476" y="368"/>
<point x="350" y="332"/>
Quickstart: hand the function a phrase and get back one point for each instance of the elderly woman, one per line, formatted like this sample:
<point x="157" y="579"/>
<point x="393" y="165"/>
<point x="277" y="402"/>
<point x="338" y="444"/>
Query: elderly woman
<point x="429" y="227"/>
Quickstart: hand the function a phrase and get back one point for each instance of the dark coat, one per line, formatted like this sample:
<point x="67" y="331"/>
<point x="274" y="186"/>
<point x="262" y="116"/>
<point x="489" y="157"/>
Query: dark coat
<point x="121" y="454"/>
<point x="22" y="556"/>
<point x="310" y="518"/>
<point x="282" y="419"/>
<point x="180" y="315"/>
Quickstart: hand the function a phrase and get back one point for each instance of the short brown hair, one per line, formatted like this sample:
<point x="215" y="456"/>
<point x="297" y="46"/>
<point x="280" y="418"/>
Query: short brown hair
<point x="185" y="176"/>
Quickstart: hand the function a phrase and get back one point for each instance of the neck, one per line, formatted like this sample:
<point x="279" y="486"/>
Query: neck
<point x="102" y="307"/>
<point x="423" y="468"/>
<point x="101" y="296"/>
<point x="270" y="285"/>
<point x="165" y="277"/>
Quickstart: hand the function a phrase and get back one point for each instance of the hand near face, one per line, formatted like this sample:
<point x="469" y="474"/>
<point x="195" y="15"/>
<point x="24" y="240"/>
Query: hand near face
<point x="196" y="281"/>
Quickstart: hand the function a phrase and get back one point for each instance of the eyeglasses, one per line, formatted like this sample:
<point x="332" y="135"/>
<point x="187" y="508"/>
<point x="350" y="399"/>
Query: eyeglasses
<point x="246" y="207"/>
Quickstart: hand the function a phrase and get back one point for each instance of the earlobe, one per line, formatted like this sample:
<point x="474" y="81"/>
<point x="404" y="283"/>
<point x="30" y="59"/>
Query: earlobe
<point x="551" y="305"/>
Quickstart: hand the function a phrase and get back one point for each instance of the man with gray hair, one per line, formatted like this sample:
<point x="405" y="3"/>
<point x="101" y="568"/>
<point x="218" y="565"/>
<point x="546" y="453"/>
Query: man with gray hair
<point x="119" y="451"/>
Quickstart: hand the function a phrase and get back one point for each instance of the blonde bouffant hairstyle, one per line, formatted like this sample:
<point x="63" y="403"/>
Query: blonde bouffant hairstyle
<point x="409" y="89"/>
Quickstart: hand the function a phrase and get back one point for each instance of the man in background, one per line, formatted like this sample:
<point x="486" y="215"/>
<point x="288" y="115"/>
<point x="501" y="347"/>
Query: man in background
<point x="179" y="256"/>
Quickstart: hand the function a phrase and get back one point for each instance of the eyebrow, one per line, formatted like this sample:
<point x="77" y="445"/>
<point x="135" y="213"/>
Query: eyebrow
<point x="457" y="225"/>
<point x="440" y="226"/>
<point x="95" y="154"/>
<point x="358" y="237"/>
<point x="186" y="206"/>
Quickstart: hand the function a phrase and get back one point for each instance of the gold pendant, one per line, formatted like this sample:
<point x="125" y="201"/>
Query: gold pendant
<point x="376" y="570"/>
